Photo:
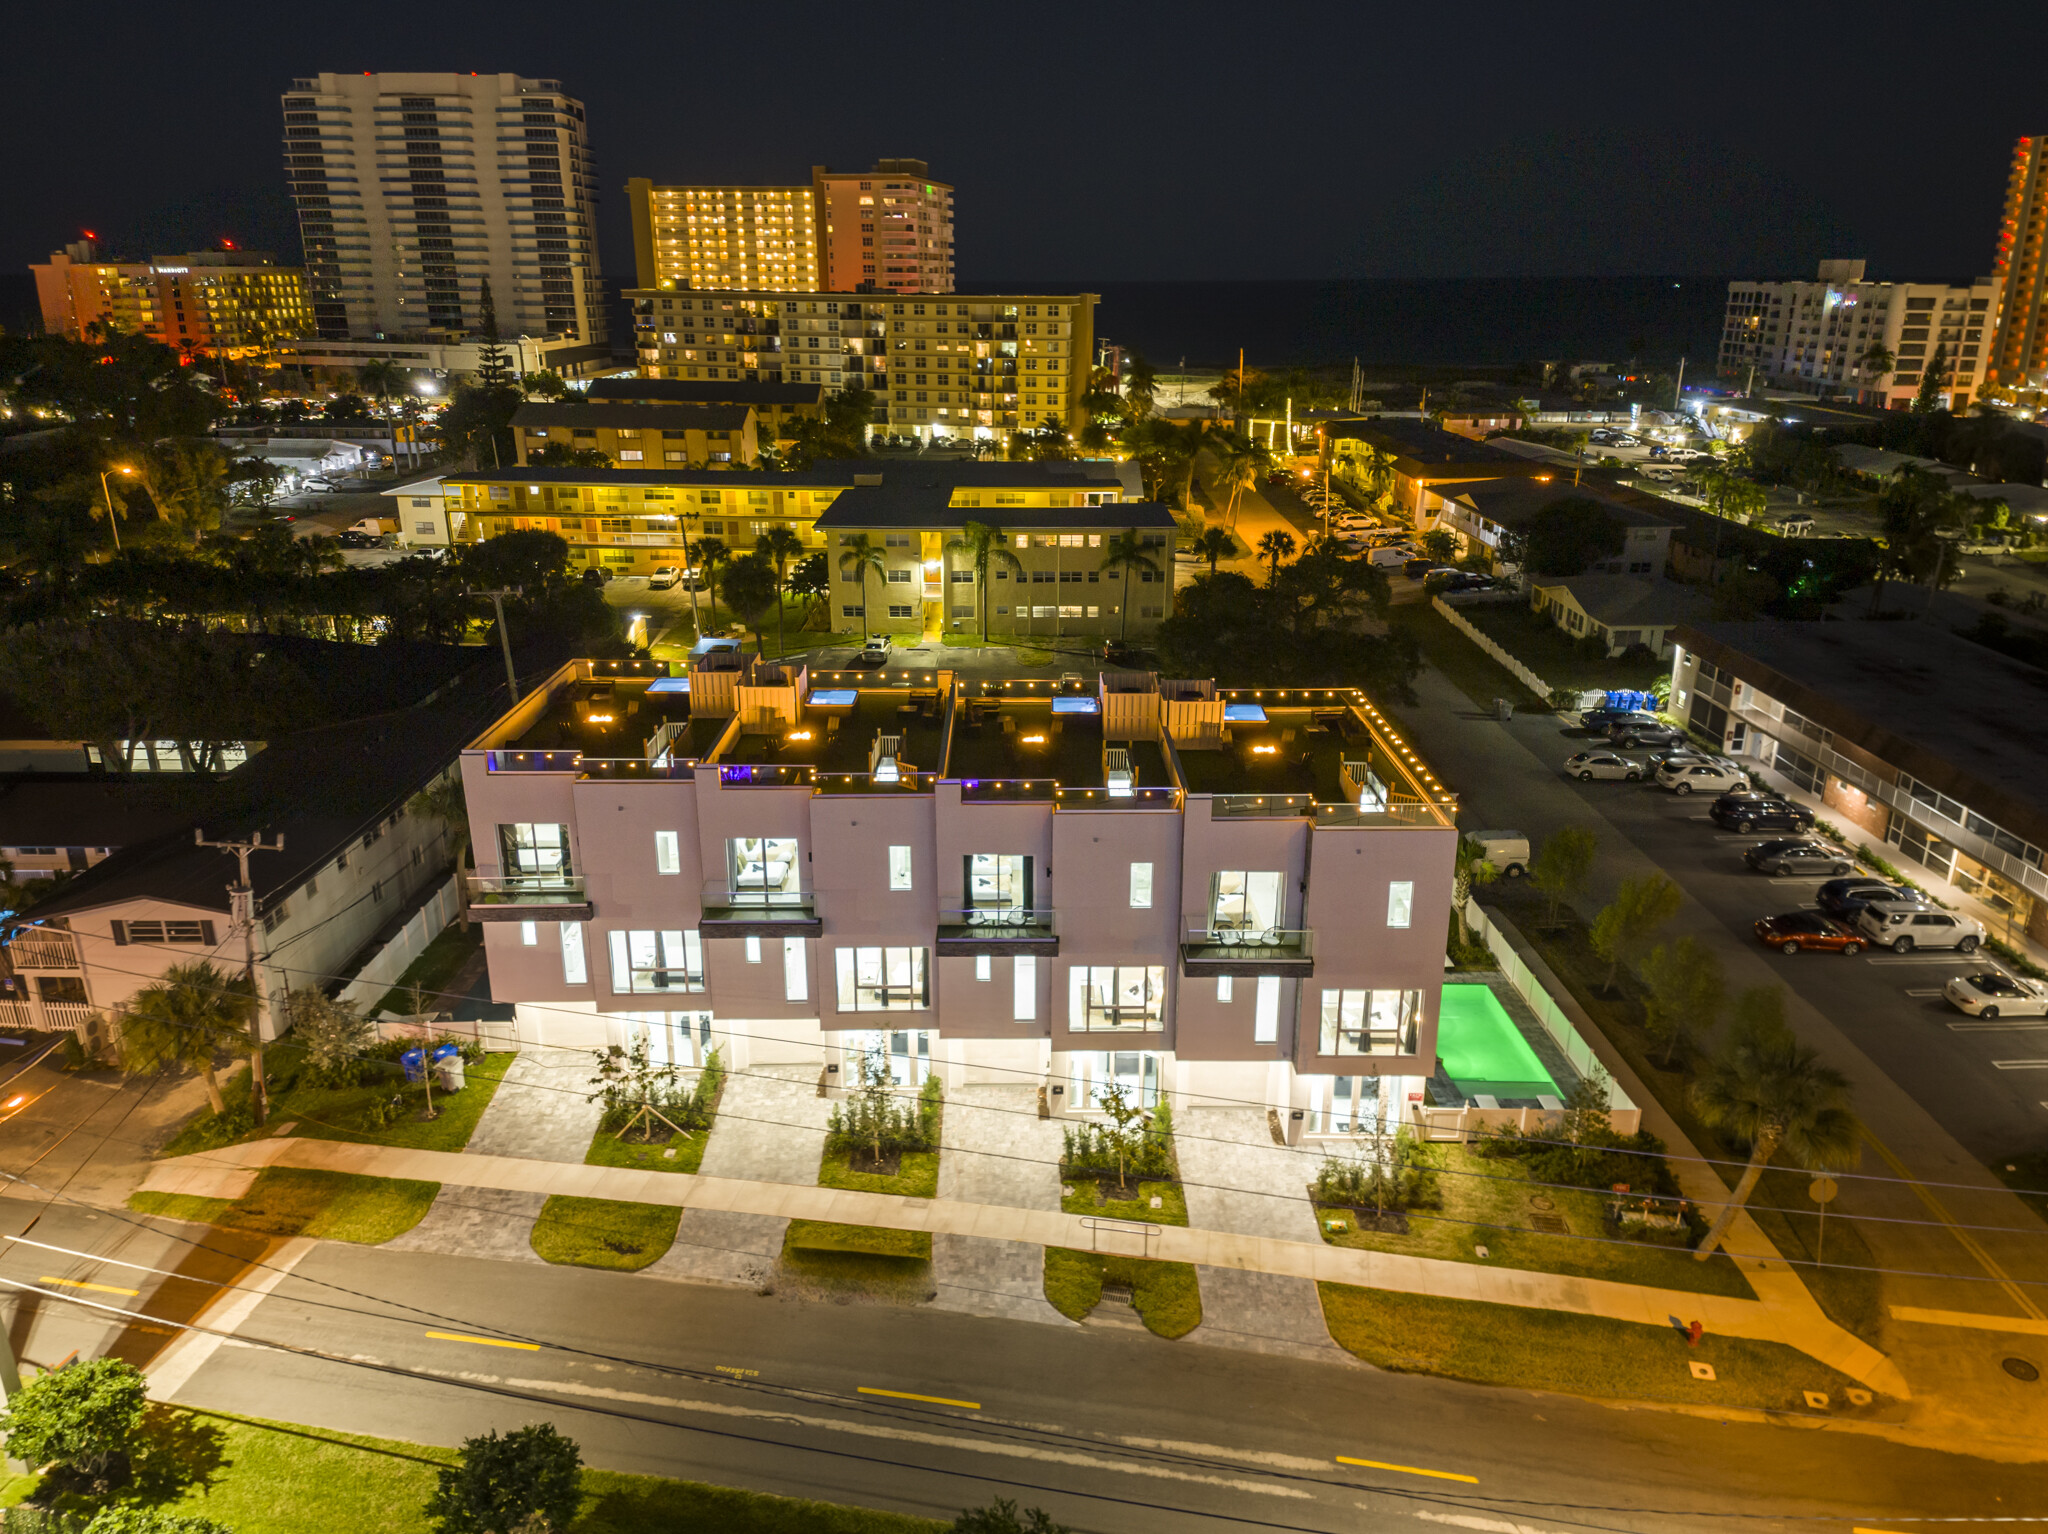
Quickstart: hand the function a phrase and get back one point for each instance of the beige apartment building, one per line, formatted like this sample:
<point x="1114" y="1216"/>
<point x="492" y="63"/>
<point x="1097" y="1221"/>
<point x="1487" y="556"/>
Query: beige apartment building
<point x="640" y="436"/>
<point x="979" y="367"/>
<point x="890" y="228"/>
<point x="1819" y="334"/>
<point x="236" y="302"/>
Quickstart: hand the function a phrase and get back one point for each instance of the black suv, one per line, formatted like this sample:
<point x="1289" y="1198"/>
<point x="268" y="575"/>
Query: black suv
<point x="1753" y="812"/>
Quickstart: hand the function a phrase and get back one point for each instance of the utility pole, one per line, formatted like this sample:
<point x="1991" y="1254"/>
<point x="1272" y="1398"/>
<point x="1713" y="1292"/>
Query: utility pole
<point x="504" y="635"/>
<point x="242" y="906"/>
<point x="1678" y="393"/>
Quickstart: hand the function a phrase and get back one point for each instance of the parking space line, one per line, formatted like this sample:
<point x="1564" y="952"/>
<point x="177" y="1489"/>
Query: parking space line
<point x="1997" y="1025"/>
<point x="906" y="1395"/>
<point x="1437" y="1475"/>
<point x="1916" y="958"/>
<point x="2020" y="1065"/>
<point x="487" y="1342"/>
<point x="1937" y="991"/>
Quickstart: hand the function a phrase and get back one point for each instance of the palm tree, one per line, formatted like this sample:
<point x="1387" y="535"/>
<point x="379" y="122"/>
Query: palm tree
<point x="1274" y="547"/>
<point x="382" y="377"/>
<point x="1375" y="471"/>
<point x="189" y="1018"/>
<point x="1769" y="1089"/>
<point x="779" y="546"/>
<point x="1214" y="544"/>
<point x="1126" y="552"/>
<point x="986" y="545"/>
<point x="1240" y="460"/>
<point x="710" y="553"/>
<point x="751" y="584"/>
<point x="860" y="555"/>
<point x="1141" y="383"/>
<point x="1877" y="363"/>
<point x="443" y="801"/>
<point x="1471" y="867"/>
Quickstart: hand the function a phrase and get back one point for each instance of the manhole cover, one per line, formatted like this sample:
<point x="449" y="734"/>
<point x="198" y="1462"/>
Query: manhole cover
<point x="2020" y="1369"/>
<point x="1540" y="1201"/>
<point x="1550" y="1224"/>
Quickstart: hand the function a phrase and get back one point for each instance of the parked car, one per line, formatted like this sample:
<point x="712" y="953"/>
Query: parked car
<point x="349" y="538"/>
<point x="1604" y="718"/>
<point x="1631" y="736"/>
<point x="1995" y="992"/>
<point x="1588" y="765"/>
<point x="1389" y="557"/>
<point x="1799" y="930"/>
<point x="1902" y="927"/>
<point x="1186" y="554"/>
<point x="1753" y="812"/>
<point x="1843" y="898"/>
<point x="875" y="652"/>
<point x="664" y="577"/>
<point x="1798" y="855"/>
<point x="1506" y="850"/>
<point x="1469" y="580"/>
<point x="1695" y="775"/>
<point x="1115" y="652"/>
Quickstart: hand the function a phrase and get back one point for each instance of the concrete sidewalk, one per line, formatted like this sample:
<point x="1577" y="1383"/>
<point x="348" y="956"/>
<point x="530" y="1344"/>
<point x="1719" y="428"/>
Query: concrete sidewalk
<point x="1782" y="1316"/>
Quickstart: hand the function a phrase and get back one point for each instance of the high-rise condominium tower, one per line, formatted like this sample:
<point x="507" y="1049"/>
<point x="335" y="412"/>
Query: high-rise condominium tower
<point x="414" y="189"/>
<point x="2019" y="357"/>
<point x="890" y="228"/>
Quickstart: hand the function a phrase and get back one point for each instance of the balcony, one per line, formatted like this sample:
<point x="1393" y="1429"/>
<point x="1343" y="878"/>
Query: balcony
<point x="1221" y="949"/>
<point x="528" y="897"/>
<point x="970" y="932"/>
<point x="730" y="912"/>
<point x="38" y="948"/>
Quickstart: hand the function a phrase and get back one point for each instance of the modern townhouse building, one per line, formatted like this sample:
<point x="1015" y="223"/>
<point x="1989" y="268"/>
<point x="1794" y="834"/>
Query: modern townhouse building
<point x="629" y="521"/>
<point x="1820" y="334"/>
<point x="777" y="407"/>
<point x="1230" y="896"/>
<point x="414" y="190"/>
<point x="640" y="435"/>
<point x="979" y="367"/>
<point x="889" y="228"/>
<point x="1921" y="740"/>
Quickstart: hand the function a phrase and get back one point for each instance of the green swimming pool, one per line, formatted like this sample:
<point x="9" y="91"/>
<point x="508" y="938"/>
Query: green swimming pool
<point x="1483" y="1052"/>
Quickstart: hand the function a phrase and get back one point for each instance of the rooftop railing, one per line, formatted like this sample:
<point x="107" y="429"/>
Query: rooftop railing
<point x="1440" y="812"/>
<point x="1117" y="799"/>
<point x="1007" y="790"/>
<point x="1242" y="806"/>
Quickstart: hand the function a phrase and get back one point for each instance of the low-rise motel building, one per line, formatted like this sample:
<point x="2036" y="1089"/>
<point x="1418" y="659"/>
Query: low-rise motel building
<point x="1229" y="897"/>
<point x="894" y="533"/>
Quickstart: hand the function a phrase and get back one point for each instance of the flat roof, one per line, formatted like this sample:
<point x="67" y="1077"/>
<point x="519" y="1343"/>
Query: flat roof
<point x="691" y="391"/>
<point x="997" y="739"/>
<point x="604" y="717"/>
<point x="1293" y="751"/>
<point x="927" y="505"/>
<point x="837" y="739"/>
<point x="1953" y="714"/>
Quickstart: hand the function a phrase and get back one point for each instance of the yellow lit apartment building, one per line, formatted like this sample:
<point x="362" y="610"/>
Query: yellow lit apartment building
<point x="234" y="302"/>
<point x="890" y="228"/>
<point x="981" y="366"/>
<point x="724" y="236"/>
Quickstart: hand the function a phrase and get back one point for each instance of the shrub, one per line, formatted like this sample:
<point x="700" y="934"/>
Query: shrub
<point x="331" y="1034"/>
<point x="877" y="1119"/>
<point x="1002" y="1517"/>
<point x="1092" y="1147"/>
<point x="1390" y="1171"/>
<point x="629" y="1083"/>
<point x="84" y="1418"/>
<point x="150" y="1520"/>
<point x="529" y="1480"/>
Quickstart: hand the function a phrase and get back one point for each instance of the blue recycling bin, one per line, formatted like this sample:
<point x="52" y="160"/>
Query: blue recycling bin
<point x="414" y="1064"/>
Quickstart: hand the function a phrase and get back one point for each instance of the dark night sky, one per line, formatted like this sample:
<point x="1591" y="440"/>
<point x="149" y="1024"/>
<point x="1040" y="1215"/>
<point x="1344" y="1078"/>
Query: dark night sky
<point x="1109" y="142"/>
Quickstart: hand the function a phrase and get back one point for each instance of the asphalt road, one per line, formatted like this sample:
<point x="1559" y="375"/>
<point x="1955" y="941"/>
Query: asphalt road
<point x="926" y="1412"/>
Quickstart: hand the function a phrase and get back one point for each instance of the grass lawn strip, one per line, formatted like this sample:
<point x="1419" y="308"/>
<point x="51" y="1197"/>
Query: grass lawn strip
<point x="289" y="1201"/>
<point x="1553" y="654"/>
<point x="338" y="1113"/>
<point x="603" y="1233"/>
<point x="1166" y="1295"/>
<point x="1467" y="667"/>
<point x="276" y="1478"/>
<point x="1491" y="1344"/>
<point x="892" y="1264"/>
<point x="608" y="1149"/>
<point x="437" y="965"/>
<point x="917" y="1176"/>
<point x="1135" y="1204"/>
<point x="1491" y="1203"/>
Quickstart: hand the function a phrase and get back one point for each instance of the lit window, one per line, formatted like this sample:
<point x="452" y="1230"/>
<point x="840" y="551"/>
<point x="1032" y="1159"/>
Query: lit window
<point x="1024" y="1001"/>
<point x="1400" y="902"/>
<point x="984" y="967"/>
<point x="668" y="857"/>
<point x="529" y="934"/>
<point x="1224" y="988"/>
<point x="899" y="868"/>
<point x="1141" y="886"/>
<point x="796" y="973"/>
<point x="1369" y="1022"/>
<point x="1103" y="998"/>
<point x="1266" y="1015"/>
<point x="882" y="979"/>
<point x="753" y="950"/>
<point x="574" y="970"/>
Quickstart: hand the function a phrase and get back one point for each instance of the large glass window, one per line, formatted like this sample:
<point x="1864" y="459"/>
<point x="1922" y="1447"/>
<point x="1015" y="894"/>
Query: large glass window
<point x="533" y="850"/>
<point x="1105" y="998"/>
<point x="796" y="971"/>
<point x="998" y="881"/>
<point x="1136" y="1071"/>
<point x="1370" y="1022"/>
<point x="680" y="1039"/>
<point x="1355" y="1107"/>
<point x="656" y="961"/>
<point x="883" y="980"/>
<point x="574" y="970"/>
<point x="1400" y="902"/>
<point x="904" y="1055"/>
<point x="764" y="870"/>
<point x="1266" y="1011"/>
<point x="1024" y="998"/>
<point x="1141" y="886"/>
<point x="1244" y="902"/>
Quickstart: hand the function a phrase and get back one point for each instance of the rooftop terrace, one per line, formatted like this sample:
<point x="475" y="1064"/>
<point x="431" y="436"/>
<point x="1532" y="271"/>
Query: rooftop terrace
<point x="604" y="717"/>
<point x="835" y="738"/>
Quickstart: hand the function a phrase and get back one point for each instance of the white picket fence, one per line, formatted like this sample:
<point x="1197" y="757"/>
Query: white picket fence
<point x="1463" y="625"/>
<point x="395" y="957"/>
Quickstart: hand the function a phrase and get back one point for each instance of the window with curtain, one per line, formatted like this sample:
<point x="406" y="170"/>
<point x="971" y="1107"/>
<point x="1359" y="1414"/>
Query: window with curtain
<point x="1107" y="998"/>
<point x="1244" y="902"/>
<point x="883" y="979"/>
<point x="1370" y="1022"/>
<point x="656" y="961"/>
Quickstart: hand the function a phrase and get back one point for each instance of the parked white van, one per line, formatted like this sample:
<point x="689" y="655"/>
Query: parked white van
<point x="1506" y="850"/>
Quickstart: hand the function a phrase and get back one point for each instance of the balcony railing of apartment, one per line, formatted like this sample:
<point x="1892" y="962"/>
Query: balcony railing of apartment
<point x="40" y="948"/>
<point x="1007" y="790"/>
<point x="868" y="783"/>
<point x="528" y="897"/>
<point x="1438" y="812"/>
<point x="1218" y="948"/>
<point x="967" y="932"/>
<point x="624" y="768"/>
<point x="1112" y="799"/>
<point x="532" y="761"/>
<point x="758" y="912"/>
<point x="1254" y="806"/>
<point x="764" y="775"/>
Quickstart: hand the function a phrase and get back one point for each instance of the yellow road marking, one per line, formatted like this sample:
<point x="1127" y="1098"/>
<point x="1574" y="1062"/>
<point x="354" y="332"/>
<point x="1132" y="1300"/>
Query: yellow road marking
<point x="736" y="1372"/>
<point x="488" y="1342"/>
<point x="905" y="1395"/>
<point x="1438" y="1475"/>
<point x="2020" y="1325"/>
<point x="1964" y="1239"/>
<point x="78" y="1283"/>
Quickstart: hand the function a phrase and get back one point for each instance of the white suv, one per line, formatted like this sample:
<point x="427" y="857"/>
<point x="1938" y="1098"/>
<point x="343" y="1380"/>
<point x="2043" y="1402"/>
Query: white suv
<point x="1903" y="927"/>
<point x="1700" y="777"/>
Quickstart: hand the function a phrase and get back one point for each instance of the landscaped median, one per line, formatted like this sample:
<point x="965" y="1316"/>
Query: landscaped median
<point x="1124" y="1168"/>
<point x="294" y="1201"/>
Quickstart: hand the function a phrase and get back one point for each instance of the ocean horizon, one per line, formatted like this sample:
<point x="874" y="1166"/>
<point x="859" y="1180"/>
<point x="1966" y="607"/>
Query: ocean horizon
<point x="1480" y="322"/>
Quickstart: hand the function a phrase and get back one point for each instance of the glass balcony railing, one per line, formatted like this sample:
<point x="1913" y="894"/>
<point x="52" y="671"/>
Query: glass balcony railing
<point x="986" y="928"/>
<point x="1212" y="947"/>
<point x="732" y="907"/>
<point x="527" y="890"/>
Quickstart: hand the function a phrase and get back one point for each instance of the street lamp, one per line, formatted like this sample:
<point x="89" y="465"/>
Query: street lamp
<point x="112" y="521"/>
